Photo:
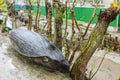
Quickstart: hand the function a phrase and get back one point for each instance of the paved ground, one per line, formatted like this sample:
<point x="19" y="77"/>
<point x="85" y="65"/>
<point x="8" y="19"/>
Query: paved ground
<point x="110" y="68"/>
<point x="13" y="68"/>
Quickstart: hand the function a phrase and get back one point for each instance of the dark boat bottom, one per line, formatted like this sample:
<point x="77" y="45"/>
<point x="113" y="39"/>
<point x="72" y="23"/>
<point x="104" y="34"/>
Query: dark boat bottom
<point x="44" y="62"/>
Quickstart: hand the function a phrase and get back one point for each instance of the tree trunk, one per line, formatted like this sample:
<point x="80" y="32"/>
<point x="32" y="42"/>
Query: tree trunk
<point x="59" y="11"/>
<point x="46" y="1"/>
<point x="79" y="67"/>
<point x="49" y="19"/>
<point x="36" y="27"/>
<point x="30" y="15"/>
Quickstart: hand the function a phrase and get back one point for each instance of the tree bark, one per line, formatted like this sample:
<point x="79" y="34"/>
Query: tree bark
<point x="30" y="16"/>
<point x="36" y="27"/>
<point x="59" y="11"/>
<point x="46" y="1"/>
<point x="49" y="19"/>
<point x="79" y="67"/>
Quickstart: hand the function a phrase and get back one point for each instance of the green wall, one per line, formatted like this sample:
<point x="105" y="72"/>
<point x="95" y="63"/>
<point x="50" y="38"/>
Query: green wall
<point x="84" y="14"/>
<point x="43" y="11"/>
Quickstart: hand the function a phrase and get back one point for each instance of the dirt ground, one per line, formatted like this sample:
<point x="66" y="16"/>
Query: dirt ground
<point x="13" y="68"/>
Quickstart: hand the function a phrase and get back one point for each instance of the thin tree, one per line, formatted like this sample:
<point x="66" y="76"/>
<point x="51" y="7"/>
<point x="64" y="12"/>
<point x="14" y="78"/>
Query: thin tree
<point x="30" y="15"/>
<point x="59" y="11"/>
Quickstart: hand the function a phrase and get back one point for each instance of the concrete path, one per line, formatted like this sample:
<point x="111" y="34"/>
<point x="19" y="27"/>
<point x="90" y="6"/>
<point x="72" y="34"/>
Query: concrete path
<point x="12" y="67"/>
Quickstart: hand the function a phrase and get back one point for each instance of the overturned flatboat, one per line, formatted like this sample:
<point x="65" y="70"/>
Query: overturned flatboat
<point x="38" y="48"/>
